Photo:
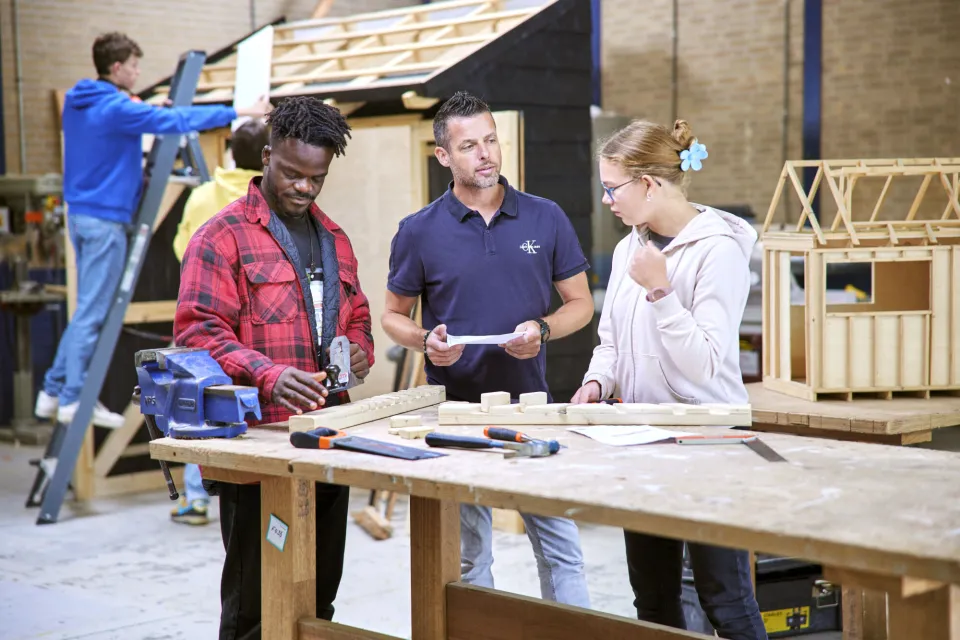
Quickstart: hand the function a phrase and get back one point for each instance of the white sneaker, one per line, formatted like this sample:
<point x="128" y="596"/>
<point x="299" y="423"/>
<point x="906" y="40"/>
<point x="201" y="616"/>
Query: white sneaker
<point x="102" y="417"/>
<point x="46" y="406"/>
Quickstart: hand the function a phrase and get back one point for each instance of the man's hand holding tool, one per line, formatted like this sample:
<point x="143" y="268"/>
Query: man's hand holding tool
<point x="297" y="390"/>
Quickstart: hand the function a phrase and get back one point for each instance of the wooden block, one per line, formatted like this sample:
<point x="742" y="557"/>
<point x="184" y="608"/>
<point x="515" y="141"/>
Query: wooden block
<point x="537" y="397"/>
<point x="505" y="409"/>
<point x="413" y="433"/>
<point x="493" y="399"/>
<point x="405" y="421"/>
<point x="375" y="408"/>
<point x="373" y="523"/>
<point x="508" y="521"/>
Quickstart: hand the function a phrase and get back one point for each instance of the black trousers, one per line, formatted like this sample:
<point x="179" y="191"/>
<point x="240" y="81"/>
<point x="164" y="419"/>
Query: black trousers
<point x="721" y="576"/>
<point x="240" y="581"/>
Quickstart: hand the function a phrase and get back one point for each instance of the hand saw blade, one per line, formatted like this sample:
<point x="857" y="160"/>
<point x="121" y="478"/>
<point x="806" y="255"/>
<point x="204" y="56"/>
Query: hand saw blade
<point x="376" y="447"/>
<point x="764" y="450"/>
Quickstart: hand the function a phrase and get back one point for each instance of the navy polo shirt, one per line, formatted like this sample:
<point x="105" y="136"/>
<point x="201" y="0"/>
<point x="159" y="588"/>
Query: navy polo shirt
<point x="481" y="280"/>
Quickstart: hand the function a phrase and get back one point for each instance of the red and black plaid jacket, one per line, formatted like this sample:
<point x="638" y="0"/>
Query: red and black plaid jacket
<point x="241" y="299"/>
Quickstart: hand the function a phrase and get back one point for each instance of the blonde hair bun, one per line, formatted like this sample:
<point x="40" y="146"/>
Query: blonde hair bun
<point x="682" y="133"/>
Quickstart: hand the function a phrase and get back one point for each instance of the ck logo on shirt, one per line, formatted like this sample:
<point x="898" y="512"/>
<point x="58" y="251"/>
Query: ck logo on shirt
<point x="530" y="246"/>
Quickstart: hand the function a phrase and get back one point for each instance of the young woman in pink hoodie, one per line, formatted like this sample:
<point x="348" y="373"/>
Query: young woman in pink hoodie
<point x="669" y="332"/>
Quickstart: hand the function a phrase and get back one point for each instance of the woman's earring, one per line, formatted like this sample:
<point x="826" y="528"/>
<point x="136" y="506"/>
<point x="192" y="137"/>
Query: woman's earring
<point x="649" y="197"/>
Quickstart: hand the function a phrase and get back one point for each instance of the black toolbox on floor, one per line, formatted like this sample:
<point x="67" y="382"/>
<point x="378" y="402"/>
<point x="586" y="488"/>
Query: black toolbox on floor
<point x="794" y="598"/>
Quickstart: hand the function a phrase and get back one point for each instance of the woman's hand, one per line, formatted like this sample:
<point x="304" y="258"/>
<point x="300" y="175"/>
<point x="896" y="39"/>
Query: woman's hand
<point x="648" y="267"/>
<point x="589" y="392"/>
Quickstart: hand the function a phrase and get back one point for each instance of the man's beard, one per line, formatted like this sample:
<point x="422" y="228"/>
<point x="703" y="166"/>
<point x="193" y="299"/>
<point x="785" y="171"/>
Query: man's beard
<point x="474" y="181"/>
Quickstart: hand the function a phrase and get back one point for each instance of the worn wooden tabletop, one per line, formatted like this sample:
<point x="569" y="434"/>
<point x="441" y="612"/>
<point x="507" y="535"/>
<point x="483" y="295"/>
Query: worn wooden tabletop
<point x="887" y="510"/>
<point x="897" y="415"/>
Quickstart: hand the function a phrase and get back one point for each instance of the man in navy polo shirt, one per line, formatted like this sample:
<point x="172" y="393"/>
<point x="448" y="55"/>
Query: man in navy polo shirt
<point x="485" y="258"/>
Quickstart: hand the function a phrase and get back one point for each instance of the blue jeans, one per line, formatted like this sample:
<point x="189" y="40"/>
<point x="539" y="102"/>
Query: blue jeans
<point x="193" y="484"/>
<point x="556" y="546"/>
<point x="721" y="576"/>
<point x="101" y="251"/>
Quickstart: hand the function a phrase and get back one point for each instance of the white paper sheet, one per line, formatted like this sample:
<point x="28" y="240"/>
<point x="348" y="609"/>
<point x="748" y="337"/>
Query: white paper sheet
<point x="625" y="435"/>
<point x="498" y="339"/>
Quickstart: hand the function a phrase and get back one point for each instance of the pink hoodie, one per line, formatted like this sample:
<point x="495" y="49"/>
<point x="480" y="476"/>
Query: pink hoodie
<point x="685" y="347"/>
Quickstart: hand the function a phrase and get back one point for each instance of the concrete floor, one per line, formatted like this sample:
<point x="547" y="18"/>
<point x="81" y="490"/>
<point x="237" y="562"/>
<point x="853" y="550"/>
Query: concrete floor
<point x="119" y="569"/>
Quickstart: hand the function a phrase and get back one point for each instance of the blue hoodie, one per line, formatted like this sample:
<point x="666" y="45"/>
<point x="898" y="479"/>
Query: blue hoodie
<point x="102" y="164"/>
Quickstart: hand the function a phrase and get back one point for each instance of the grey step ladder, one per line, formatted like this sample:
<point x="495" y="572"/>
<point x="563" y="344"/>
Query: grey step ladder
<point x="56" y="467"/>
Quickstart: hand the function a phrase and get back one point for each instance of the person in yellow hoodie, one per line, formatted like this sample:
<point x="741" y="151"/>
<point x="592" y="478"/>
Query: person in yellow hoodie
<point x="206" y="201"/>
<point x="227" y="185"/>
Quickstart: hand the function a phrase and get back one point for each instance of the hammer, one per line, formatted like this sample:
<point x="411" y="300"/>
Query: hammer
<point x="533" y="449"/>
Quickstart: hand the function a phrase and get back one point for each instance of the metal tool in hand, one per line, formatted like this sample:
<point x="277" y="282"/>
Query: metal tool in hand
<point x="326" y="438"/>
<point x="533" y="449"/>
<point x="749" y="439"/>
<point x="340" y="376"/>
<point x="509" y="435"/>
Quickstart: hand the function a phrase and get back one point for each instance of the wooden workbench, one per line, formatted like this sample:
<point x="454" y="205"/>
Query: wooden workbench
<point x="898" y="420"/>
<point x="886" y="518"/>
<point x="894" y="421"/>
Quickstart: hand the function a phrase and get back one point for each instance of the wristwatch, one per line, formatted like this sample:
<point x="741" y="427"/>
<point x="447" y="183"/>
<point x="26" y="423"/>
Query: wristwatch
<point x="659" y="292"/>
<point x="544" y="329"/>
<point x="425" y="356"/>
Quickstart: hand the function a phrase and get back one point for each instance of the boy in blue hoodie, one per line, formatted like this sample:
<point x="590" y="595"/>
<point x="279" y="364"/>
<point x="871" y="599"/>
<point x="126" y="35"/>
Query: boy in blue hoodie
<point x="102" y="184"/>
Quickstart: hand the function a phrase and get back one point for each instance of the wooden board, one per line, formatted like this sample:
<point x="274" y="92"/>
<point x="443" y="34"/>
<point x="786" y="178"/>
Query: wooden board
<point x="568" y="414"/>
<point x="370" y="409"/>
<point x="887" y="510"/>
<point x="887" y="417"/>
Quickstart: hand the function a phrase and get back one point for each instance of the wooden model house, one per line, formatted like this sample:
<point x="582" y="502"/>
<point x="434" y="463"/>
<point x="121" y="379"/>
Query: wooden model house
<point x="905" y="336"/>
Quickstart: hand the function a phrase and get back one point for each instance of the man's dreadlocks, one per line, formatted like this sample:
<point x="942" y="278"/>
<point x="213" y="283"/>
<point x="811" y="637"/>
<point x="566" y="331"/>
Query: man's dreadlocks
<point x="311" y="121"/>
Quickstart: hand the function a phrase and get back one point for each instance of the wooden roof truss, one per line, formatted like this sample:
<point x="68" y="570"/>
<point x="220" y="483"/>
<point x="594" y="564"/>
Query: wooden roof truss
<point x="394" y="47"/>
<point x="841" y="176"/>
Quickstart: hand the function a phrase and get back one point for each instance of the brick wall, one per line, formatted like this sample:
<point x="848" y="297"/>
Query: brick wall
<point x="56" y="37"/>
<point x="891" y="86"/>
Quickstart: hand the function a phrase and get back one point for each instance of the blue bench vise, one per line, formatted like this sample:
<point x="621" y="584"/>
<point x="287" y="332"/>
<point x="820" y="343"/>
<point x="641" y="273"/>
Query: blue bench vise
<point x="187" y="395"/>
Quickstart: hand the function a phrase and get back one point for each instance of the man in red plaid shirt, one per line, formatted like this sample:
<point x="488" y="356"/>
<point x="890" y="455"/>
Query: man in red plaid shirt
<point x="265" y="286"/>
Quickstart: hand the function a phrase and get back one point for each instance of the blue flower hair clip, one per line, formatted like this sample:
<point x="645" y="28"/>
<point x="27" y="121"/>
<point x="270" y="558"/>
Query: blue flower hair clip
<point x="691" y="157"/>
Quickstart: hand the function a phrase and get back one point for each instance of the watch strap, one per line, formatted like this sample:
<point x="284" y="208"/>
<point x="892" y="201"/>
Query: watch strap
<point x="544" y="329"/>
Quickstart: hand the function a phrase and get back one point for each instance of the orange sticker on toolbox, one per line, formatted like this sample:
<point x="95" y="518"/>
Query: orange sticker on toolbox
<point x="786" y="619"/>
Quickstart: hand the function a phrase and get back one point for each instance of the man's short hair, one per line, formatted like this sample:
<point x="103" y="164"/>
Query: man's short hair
<point x="247" y="143"/>
<point x="311" y="121"/>
<point x="113" y="47"/>
<point x="460" y="105"/>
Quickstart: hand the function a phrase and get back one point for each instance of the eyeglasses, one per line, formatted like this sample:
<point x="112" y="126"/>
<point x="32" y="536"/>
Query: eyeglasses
<point x="609" y="190"/>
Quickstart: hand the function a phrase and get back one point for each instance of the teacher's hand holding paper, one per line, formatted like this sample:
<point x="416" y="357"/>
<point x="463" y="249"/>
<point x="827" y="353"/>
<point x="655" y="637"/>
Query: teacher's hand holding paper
<point x="439" y="352"/>
<point x="527" y="345"/>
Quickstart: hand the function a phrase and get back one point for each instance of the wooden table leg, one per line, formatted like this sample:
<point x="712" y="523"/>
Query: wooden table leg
<point x="864" y="614"/>
<point x="434" y="563"/>
<point x="288" y="577"/>
<point x="932" y="615"/>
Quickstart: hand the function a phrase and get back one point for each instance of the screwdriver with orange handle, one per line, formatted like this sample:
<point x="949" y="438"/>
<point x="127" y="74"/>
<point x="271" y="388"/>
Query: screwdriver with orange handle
<point x="509" y="435"/>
